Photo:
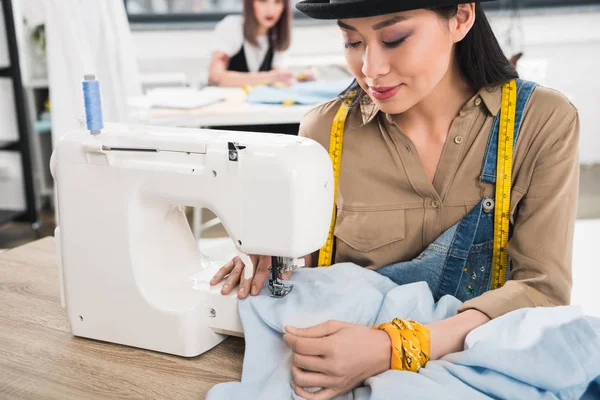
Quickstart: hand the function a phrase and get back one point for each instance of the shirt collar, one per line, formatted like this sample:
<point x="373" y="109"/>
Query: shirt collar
<point x="492" y="99"/>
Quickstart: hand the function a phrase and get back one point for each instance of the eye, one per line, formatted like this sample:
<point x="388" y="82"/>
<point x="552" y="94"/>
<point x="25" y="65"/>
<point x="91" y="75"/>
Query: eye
<point x="351" y="45"/>
<point x="397" y="43"/>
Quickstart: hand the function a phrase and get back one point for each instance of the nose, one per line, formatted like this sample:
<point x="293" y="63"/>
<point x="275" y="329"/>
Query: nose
<point x="375" y="62"/>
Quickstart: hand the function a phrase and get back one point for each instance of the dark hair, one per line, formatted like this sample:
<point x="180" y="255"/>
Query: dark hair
<point x="481" y="60"/>
<point x="279" y="35"/>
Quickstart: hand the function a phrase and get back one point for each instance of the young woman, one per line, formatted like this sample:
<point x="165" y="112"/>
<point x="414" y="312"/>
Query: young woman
<point x="249" y="49"/>
<point x="417" y="185"/>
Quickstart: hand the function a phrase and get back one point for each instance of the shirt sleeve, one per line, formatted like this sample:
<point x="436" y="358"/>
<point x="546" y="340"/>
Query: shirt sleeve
<point x="541" y="246"/>
<point x="228" y="35"/>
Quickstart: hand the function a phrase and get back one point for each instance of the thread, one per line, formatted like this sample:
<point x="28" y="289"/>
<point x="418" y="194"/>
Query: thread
<point x="92" y="103"/>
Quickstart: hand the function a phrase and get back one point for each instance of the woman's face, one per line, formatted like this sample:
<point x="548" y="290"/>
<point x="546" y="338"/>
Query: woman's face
<point x="398" y="59"/>
<point x="268" y="12"/>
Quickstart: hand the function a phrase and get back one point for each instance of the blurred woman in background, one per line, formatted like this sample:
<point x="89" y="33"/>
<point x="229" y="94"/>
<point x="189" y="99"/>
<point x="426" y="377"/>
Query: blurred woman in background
<point x="249" y="49"/>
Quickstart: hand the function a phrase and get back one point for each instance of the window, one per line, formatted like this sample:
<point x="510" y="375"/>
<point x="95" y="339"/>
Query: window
<point x="183" y="10"/>
<point x="165" y="11"/>
<point x="166" y="8"/>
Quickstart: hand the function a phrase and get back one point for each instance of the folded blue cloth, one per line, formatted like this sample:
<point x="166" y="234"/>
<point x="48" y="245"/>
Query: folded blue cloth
<point x="306" y="93"/>
<point x="536" y="353"/>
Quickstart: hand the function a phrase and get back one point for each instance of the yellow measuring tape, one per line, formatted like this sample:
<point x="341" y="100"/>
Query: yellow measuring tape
<point x="335" y="152"/>
<point x="506" y="136"/>
<point x="503" y="180"/>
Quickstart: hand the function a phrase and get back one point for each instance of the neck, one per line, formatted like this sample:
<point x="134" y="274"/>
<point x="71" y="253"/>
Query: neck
<point x="261" y="31"/>
<point x="435" y="113"/>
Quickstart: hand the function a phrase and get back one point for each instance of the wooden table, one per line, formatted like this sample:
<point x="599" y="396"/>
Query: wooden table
<point x="41" y="359"/>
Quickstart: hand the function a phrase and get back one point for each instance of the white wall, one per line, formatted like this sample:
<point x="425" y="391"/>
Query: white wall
<point x="566" y="42"/>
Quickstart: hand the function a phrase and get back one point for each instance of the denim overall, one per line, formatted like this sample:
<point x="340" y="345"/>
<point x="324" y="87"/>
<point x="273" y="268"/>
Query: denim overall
<point x="459" y="262"/>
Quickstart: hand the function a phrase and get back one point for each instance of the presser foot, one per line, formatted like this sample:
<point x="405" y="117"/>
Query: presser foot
<point x="279" y="289"/>
<point x="277" y="286"/>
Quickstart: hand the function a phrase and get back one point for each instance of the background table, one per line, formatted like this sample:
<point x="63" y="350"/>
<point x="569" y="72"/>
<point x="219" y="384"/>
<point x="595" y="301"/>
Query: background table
<point x="41" y="359"/>
<point x="232" y="110"/>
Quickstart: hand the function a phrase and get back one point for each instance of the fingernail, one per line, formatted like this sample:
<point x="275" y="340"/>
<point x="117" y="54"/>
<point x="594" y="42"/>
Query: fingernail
<point x="241" y="292"/>
<point x="254" y="290"/>
<point x="225" y="287"/>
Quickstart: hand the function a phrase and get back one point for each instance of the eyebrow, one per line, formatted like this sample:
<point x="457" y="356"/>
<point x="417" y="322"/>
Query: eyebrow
<point x="388" y="22"/>
<point x="378" y="26"/>
<point x="345" y="26"/>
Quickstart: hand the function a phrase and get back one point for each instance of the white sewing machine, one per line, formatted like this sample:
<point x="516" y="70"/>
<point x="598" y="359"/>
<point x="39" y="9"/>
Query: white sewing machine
<point x="130" y="270"/>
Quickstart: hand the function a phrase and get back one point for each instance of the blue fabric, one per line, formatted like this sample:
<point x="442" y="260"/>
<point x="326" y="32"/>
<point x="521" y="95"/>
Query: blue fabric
<point x="541" y="353"/>
<point x="306" y="93"/>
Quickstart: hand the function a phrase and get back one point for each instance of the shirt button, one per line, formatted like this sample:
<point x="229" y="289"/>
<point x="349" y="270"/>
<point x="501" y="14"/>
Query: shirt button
<point x="462" y="113"/>
<point x="477" y="101"/>
<point x="458" y="139"/>
<point x="435" y="204"/>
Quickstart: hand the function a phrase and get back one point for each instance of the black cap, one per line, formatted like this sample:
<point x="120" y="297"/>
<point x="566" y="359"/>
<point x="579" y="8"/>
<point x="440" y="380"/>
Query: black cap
<point x="337" y="9"/>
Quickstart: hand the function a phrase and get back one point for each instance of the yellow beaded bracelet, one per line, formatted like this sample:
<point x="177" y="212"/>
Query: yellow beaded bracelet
<point x="410" y="343"/>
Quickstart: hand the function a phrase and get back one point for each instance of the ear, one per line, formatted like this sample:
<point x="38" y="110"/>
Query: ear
<point x="463" y="21"/>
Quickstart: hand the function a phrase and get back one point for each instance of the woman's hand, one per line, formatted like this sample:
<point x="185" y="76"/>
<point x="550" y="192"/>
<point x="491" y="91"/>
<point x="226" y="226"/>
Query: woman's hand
<point x="282" y="76"/>
<point x="310" y="74"/>
<point x="337" y="357"/>
<point x="235" y="270"/>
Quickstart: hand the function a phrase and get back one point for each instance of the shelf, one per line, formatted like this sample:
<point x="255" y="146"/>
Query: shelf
<point x="10" y="146"/>
<point x="22" y="145"/>
<point x="9" y="215"/>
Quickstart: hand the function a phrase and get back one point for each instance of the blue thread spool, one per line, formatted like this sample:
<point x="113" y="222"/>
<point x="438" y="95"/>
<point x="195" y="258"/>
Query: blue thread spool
<point x="93" y="105"/>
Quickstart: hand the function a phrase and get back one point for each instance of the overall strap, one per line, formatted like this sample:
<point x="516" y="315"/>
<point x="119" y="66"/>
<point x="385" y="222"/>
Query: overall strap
<point x="488" y="170"/>
<point x="497" y="168"/>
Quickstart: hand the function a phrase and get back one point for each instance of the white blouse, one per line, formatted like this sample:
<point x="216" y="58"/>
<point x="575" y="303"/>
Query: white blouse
<point x="228" y="37"/>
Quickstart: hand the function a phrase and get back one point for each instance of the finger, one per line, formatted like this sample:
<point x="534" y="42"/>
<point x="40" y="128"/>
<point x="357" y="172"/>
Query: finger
<point x="222" y="272"/>
<point x="310" y="363"/>
<point x="324" y="394"/>
<point x="234" y="276"/>
<point x="306" y="346"/>
<point x="310" y="379"/>
<point x="245" y="283"/>
<point x="318" y="331"/>
<point x="244" y="288"/>
<point x="262" y="273"/>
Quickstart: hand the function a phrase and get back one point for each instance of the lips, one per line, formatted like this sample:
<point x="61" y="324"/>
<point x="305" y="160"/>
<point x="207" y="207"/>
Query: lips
<point x="384" y="92"/>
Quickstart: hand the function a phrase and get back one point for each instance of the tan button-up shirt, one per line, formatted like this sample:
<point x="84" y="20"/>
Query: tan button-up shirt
<point x="389" y="210"/>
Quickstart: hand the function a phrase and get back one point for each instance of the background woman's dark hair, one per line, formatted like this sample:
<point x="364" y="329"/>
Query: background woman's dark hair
<point x="279" y="35"/>
<point x="481" y="60"/>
